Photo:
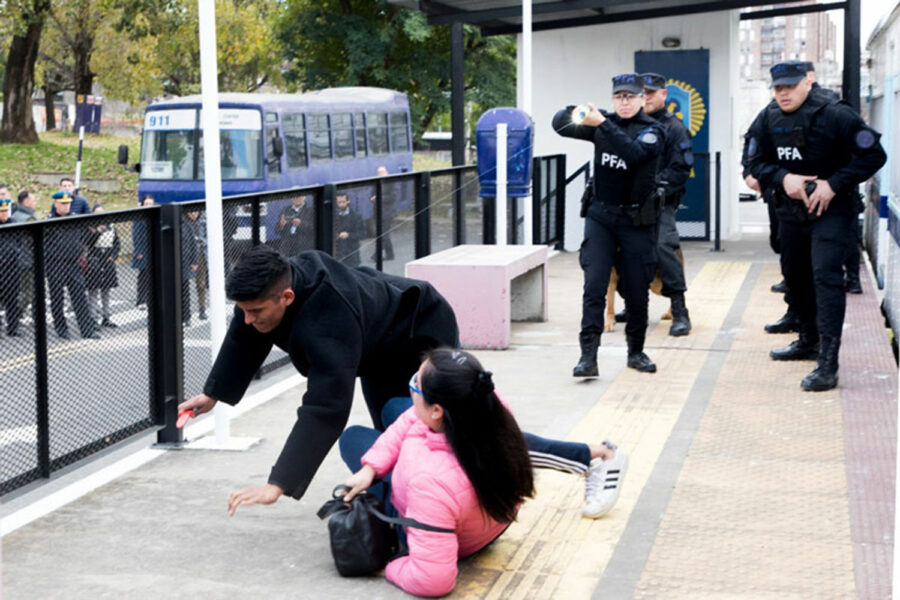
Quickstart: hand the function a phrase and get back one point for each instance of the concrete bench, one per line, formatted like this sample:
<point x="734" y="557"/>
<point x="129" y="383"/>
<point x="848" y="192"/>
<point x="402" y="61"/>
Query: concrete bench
<point x="488" y="287"/>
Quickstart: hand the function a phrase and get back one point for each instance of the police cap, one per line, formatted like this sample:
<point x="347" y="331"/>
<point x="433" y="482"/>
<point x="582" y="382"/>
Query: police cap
<point x="628" y="82"/>
<point x="5" y="203"/>
<point x="788" y="73"/>
<point x="653" y="81"/>
<point x="64" y="197"/>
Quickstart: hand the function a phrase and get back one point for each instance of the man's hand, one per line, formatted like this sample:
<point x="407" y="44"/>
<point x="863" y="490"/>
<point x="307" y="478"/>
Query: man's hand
<point x="821" y="197"/>
<point x="295" y="222"/>
<point x="795" y="186"/>
<point x="752" y="183"/>
<point x="343" y="235"/>
<point x="200" y="404"/>
<point x="261" y="494"/>
<point x="359" y="481"/>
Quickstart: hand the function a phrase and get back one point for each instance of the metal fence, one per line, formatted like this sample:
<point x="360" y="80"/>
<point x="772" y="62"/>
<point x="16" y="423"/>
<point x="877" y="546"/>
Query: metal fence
<point x="105" y="324"/>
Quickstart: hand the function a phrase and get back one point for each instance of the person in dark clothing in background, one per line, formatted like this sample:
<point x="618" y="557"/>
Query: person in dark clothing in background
<point x="102" y="253"/>
<point x="349" y="229"/>
<point x="140" y="244"/>
<point x="620" y="228"/>
<point x="674" y="172"/>
<point x="296" y="227"/>
<point x="10" y="251"/>
<point x="189" y="266"/>
<point x="813" y="152"/>
<point x="65" y="262"/>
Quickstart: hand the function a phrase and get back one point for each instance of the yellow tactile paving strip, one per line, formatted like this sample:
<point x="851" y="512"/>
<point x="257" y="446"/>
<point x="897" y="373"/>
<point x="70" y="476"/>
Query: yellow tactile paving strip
<point x="551" y="551"/>
<point x="760" y="509"/>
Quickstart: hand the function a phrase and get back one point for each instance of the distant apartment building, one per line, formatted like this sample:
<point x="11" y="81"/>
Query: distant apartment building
<point x="812" y="37"/>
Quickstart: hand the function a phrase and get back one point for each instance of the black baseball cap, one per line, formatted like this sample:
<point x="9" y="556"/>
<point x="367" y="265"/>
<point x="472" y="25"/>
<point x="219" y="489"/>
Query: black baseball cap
<point x="788" y="73"/>
<point x="653" y="81"/>
<point x="628" y="82"/>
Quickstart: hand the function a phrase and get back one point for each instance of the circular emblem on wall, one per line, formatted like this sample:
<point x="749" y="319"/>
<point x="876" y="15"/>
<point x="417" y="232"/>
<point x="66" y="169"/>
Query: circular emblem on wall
<point x="684" y="102"/>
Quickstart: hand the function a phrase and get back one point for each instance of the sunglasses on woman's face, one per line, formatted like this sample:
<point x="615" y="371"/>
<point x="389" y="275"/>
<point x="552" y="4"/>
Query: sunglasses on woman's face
<point x="414" y="384"/>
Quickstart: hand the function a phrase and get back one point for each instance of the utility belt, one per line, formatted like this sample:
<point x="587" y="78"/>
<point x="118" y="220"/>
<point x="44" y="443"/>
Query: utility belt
<point x="643" y="214"/>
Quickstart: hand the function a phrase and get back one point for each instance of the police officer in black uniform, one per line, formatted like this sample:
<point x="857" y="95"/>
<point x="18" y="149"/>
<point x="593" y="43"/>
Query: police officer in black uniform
<point x="813" y="152"/>
<point x="790" y="322"/>
<point x="621" y="217"/>
<point x="675" y="170"/>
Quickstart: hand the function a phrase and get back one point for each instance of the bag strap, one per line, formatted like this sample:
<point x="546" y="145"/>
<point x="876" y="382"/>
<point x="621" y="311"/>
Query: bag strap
<point x="333" y="505"/>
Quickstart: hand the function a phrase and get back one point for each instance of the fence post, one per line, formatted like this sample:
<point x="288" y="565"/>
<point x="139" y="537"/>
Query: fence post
<point x="561" y="201"/>
<point x="167" y="348"/>
<point x="489" y="225"/>
<point x="718" y="244"/>
<point x="325" y="218"/>
<point x="41" y="373"/>
<point x="423" y="214"/>
<point x="254" y="221"/>
<point x="537" y="199"/>
<point x="459" y="210"/>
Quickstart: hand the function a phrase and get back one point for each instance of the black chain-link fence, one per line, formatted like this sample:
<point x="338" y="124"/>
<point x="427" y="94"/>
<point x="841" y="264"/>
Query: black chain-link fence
<point x="105" y="317"/>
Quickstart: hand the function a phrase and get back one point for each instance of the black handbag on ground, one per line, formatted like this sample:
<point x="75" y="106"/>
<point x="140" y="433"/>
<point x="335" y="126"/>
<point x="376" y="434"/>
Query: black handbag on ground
<point x="363" y="538"/>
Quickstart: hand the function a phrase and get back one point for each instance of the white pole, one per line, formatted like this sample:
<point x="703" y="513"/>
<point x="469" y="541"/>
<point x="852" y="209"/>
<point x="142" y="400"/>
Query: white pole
<point x="78" y="162"/>
<point x="526" y="106"/>
<point x="213" y="174"/>
<point x="501" y="200"/>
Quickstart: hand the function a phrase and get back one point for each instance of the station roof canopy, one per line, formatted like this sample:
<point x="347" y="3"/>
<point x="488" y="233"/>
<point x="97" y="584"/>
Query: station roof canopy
<point x="505" y="16"/>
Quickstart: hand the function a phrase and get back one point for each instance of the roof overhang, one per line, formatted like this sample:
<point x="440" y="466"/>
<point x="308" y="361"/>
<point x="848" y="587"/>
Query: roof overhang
<point x="497" y="17"/>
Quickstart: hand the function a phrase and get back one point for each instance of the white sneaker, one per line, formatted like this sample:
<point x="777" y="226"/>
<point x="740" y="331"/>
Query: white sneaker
<point x="603" y="482"/>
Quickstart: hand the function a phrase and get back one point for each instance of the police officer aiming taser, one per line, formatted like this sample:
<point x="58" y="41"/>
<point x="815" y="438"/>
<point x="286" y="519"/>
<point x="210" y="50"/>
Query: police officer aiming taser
<point x="621" y="210"/>
<point x="813" y="152"/>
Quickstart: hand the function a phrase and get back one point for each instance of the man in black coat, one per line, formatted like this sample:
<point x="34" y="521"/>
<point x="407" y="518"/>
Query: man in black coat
<point x="10" y="250"/>
<point x="337" y="324"/>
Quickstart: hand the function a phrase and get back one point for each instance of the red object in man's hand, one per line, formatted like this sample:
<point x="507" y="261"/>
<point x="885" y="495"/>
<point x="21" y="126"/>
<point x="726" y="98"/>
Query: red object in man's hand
<point x="183" y="417"/>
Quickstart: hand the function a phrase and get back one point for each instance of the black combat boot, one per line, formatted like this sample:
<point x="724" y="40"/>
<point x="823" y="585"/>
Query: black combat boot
<point x="622" y="316"/>
<point x="851" y="283"/>
<point x="587" y="364"/>
<point x="786" y="324"/>
<point x="681" y="321"/>
<point x="636" y="358"/>
<point x="780" y="287"/>
<point x="824" y="376"/>
<point x="804" y="348"/>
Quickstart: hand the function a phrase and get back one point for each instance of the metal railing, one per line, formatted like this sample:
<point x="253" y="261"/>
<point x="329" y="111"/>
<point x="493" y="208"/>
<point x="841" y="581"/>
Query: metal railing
<point x="105" y="328"/>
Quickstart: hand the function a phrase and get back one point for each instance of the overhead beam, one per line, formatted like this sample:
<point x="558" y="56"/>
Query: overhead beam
<point x="631" y="15"/>
<point x="441" y="16"/>
<point x="792" y="10"/>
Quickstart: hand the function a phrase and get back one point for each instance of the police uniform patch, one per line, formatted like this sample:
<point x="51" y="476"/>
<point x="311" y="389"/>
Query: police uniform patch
<point x="865" y="138"/>
<point x="752" y="146"/>
<point x="689" y="158"/>
<point x="649" y="138"/>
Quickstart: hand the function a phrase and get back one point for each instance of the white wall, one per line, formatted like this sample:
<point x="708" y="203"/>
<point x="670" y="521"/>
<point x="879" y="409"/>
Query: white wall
<point x="576" y="65"/>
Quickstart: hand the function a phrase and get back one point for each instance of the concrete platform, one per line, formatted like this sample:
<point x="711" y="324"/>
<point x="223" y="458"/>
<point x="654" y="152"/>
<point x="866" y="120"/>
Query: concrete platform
<point x="740" y="484"/>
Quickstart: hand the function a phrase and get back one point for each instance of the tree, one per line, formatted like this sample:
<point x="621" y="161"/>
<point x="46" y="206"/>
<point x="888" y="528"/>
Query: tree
<point x="18" y="78"/>
<point x="376" y="43"/>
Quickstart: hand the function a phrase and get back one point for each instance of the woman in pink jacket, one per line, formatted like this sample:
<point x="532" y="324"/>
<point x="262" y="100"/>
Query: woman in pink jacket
<point x="456" y="459"/>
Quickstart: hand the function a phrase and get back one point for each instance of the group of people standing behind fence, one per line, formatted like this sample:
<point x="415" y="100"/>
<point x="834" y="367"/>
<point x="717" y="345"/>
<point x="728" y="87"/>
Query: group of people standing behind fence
<point x="79" y="260"/>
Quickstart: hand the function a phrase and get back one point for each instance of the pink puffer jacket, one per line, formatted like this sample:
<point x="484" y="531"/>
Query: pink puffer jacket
<point x="429" y="485"/>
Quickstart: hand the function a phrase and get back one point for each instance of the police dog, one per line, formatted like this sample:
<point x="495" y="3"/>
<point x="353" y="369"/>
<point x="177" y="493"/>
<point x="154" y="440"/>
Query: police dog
<point x="655" y="287"/>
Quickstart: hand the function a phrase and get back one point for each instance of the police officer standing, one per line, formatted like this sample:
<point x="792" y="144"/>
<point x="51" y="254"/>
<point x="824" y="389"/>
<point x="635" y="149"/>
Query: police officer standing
<point x="813" y="152"/>
<point x="620" y="224"/>
<point x="64" y="256"/>
<point x="675" y="169"/>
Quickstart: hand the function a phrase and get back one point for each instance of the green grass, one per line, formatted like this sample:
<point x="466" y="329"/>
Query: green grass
<point x="57" y="153"/>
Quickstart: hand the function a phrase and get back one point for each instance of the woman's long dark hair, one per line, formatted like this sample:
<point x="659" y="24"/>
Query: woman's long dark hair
<point x="484" y="435"/>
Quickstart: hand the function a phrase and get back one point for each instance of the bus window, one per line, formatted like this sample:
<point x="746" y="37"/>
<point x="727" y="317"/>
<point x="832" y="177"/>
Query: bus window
<point x="378" y="139"/>
<point x="240" y="154"/>
<point x="359" y="121"/>
<point x="274" y="160"/>
<point x="294" y="140"/>
<point x="342" y="128"/>
<point x="399" y="132"/>
<point x="319" y="138"/>
<point x="168" y="155"/>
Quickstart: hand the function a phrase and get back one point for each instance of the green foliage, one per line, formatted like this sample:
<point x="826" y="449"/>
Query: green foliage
<point x="375" y="43"/>
<point x="57" y="153"/>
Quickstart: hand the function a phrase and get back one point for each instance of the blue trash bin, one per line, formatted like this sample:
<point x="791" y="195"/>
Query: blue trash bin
<point x="519" y="151"/>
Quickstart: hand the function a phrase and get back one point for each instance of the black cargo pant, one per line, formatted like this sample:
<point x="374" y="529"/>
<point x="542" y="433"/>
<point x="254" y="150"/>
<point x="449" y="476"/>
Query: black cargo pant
<point x="671" y="271"/>
<point x="60" y="277"/>
<point x="812" y="259"/>
<point x="612" y="240"/>
<point x="9" y="295"/>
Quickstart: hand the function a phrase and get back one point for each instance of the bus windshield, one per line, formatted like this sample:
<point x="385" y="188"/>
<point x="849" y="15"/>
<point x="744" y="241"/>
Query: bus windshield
<point x="168" y="150"/>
